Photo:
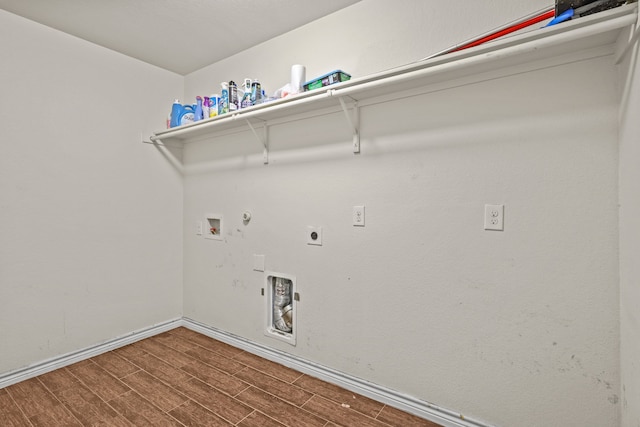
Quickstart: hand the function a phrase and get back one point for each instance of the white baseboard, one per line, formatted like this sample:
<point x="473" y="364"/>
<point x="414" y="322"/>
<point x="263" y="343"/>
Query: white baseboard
<point x="381" y="394"/>
<point x="86" y="353"/>
<point x="376" y="392"/>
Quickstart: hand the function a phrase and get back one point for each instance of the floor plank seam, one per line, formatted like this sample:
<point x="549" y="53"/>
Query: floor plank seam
<point x="380" y="411"/>
<point x="176" y="407"/>
<point x="241" y="391"/>
<point x="248" y="415"/>
<point x="310" y="397"/>
<point x="166" y="412"/>
<point x="19" y="408"/>
<point x="271" y="418"/>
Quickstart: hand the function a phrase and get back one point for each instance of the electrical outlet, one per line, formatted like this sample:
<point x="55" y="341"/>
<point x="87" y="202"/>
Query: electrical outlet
<point x="358" y="216"/>
<point x="494" y="217"/>
<point x="314" y="235"/>
<point x="199" y="228"/>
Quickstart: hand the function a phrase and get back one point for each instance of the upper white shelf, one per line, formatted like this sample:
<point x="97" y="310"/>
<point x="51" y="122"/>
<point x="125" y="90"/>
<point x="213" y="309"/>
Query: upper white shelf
<point x="597" y="30"/>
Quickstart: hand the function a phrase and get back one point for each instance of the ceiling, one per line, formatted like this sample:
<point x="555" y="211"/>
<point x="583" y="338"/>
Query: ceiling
<point x="178" y="35"/>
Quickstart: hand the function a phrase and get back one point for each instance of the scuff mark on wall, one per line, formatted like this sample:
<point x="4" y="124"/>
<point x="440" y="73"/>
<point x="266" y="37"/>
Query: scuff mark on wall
<point x="238" y="283"/>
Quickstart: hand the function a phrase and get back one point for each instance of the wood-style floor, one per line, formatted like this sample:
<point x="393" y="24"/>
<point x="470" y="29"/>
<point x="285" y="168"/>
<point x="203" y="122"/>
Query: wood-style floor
<point x="182" y="378"/>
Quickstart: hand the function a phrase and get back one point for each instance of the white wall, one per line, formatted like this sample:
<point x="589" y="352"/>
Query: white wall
<point x="630" y="241"/>
<point x="517" y="328"/>
<point x="367" y="37"/>
<point x="91" y="243"/>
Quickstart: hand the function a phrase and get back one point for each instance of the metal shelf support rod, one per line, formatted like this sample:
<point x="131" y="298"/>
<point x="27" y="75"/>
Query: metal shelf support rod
<point x="354" y="122"/>
<point x="264" y="140"/>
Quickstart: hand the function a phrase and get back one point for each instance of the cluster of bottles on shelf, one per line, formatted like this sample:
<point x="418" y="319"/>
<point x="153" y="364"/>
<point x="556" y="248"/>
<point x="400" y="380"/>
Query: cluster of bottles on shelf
<point x="230" y="99"/>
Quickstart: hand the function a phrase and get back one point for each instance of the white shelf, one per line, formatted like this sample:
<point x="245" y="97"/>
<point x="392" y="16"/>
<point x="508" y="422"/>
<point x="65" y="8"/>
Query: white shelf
<point x="589" y="34"/>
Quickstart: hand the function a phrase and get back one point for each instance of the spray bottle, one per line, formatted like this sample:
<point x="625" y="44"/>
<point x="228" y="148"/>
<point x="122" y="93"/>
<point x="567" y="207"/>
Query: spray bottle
<point x="246" y="99"/>
<point x="198" y="110"/>
<point x="256" y="92"/>
<point x="224" y="98"/>
<point x="205" y="107"/>
<point x="233" y="96"/>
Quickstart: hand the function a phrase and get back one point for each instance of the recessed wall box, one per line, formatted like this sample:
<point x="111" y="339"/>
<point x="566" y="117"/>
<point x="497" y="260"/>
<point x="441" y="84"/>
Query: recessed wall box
<point x="213" y="227"/>
<point x="281" y="307"/>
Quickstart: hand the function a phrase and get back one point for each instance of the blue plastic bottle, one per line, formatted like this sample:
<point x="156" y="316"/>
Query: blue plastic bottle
<point x="198" y="110"/>
<point x="176" y="112"/>
<point x="187" y="116"/>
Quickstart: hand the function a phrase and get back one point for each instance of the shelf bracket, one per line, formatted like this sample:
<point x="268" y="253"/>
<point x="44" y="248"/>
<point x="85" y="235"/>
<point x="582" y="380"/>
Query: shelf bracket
<point x="153" y="140"/>
<point x="264" y="140"/>
<point x="354" y="122"/>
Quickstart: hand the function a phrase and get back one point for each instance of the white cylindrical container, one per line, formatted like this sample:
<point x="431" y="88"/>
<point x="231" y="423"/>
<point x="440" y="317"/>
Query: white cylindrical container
<point x="298" y="73"/>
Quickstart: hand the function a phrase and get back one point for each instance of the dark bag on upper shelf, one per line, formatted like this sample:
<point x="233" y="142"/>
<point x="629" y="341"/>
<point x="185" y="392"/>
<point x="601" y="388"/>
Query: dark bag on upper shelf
<point x="564" y="5"/>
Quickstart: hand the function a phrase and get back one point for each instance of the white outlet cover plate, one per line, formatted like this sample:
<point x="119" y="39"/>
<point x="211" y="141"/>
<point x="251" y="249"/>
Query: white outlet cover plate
<point x="494" y="217"/>
<point x="258" y="262"/>
<point x="358" y="216"/>
<point x="313" y="231"/>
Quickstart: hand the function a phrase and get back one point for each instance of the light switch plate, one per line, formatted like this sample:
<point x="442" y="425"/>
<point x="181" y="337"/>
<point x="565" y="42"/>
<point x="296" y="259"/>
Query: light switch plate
<point x="358" y="216"/>
<point x="258" y="262"/>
